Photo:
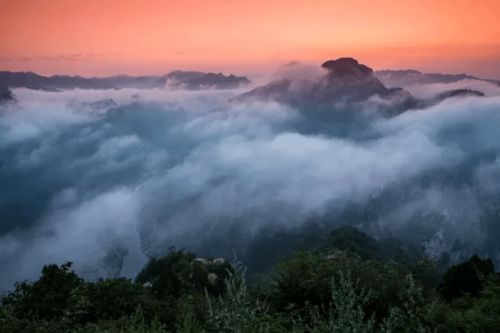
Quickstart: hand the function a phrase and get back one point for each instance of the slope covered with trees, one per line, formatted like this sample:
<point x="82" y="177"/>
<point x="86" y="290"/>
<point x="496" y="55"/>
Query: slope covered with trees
<point x="348" y="282"/>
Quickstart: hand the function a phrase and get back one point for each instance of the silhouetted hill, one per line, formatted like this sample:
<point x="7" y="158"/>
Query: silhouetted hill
<point x="455" y="93"/>
<point x="345" y="80"/>
<point x="460" y="93"/>
<point x="176" y="79"/>
<point x="200" y="80"/>
<point x="398" y="78"/>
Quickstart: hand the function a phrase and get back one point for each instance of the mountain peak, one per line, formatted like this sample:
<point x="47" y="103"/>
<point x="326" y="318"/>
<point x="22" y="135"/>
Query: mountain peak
<point x="346" y="81"/>
<point x="344" y="61"/>
<point x="342" y="67"/>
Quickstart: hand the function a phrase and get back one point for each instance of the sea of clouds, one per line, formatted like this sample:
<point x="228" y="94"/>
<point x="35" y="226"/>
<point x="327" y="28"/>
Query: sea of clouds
<point x="107" y="185"/>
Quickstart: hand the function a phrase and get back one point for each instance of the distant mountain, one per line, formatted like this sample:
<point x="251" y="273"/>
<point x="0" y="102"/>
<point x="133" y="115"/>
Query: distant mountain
<point x="200" y="80"/>
<point x="456" y="93"/>
<point x="345" y="80"/>
<point x="6" y="96"/>
<point x="401" y="78"/>
<point x="176" y="79"/>
<point x="460" y="93"/>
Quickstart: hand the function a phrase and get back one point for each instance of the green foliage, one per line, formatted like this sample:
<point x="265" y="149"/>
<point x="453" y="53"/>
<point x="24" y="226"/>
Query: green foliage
<point x="302" y="280"/>
<point x="416" y="313"/>
<point x="237" y="311"/>
<point x="58" y="294"/>
<point x="352" y="240"/>
<point x="180" y="272"/>
<point x="135" y="323"/>
<point x="113" y="298"/>
<point x="476" y="314"/>
<point x="191" y="313"/>
<point x="466" y="278"/>
<point x="271" y="246"/>
<point x="322" y="290"/>
<point x="305" y="280"/>
<point x="346" y="313"/>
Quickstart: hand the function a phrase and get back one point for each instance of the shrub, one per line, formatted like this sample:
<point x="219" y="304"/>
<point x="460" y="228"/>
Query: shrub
<point x="179" y="273"/>
<point x="466" y="278"/>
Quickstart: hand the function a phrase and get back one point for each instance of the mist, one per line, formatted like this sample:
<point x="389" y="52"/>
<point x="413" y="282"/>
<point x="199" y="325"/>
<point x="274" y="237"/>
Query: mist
<point x="110" y="178"/>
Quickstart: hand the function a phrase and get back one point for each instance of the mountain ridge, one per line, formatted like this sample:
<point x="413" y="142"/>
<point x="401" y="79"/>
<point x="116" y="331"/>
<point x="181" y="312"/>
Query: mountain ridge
<point x="190" y="80"/>
<point x="346" y="81"/>
<point x="404" y="77"/>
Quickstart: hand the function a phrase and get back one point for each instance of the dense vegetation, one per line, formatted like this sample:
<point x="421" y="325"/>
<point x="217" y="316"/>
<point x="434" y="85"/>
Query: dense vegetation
<point x="346" y="282"/>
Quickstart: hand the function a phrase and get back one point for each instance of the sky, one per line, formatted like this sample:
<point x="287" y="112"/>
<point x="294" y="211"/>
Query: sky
<point x="104" y="37"/>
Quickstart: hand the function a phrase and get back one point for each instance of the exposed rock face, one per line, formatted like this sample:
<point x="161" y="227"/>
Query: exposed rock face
<point x="345" y="81"/>
<point x="350" y="69"/>
<point x="348" y="79"/>
<point x="6" y="96"/>
<point x="177" y="79"/>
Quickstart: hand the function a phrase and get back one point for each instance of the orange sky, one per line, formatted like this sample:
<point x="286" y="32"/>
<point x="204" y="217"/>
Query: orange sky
<point x="102" y="37"/>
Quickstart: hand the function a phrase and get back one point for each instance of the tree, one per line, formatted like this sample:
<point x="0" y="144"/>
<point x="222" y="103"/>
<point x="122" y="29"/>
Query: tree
<point x="181" y="273"/>
<point x="466" y="278"/>
<point x="54" y="295"/>
<point x="304" y="280"/>
<point x="352" y="240"/>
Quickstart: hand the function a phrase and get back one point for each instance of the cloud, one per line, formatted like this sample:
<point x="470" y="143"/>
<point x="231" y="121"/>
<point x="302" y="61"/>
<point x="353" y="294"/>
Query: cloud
<point x="106" y="188"/>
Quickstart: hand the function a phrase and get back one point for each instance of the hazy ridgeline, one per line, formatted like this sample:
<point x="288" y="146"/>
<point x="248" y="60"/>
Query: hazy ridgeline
<point x="108" y="178"/>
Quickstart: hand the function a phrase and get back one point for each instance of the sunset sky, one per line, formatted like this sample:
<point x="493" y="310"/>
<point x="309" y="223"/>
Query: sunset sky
<point x="102" y="37"/>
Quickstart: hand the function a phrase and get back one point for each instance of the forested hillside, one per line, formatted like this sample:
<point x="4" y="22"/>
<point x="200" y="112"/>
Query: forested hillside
<point x="346" y="282"/>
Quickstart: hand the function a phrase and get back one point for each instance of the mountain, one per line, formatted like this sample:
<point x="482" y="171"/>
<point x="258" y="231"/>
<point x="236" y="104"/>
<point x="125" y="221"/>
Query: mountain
<point x="456" y="93"/>
<point x="345" y="81"/>
<point x="176" y="79"/>
<point x="6" y="96"/>
<point x="460" y="93"/>
<point x="349" y="80"/>
<point x="401" y="78"/>
<point x="200" y="80"/>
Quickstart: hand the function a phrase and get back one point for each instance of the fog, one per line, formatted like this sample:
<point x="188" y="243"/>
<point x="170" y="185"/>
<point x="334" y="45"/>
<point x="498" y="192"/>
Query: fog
<point x="109" y="184"/>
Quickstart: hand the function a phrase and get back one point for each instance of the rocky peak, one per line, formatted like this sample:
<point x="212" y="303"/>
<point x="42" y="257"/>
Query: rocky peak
<point x="343" y="67"/>
<point x="345" y="81"/>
